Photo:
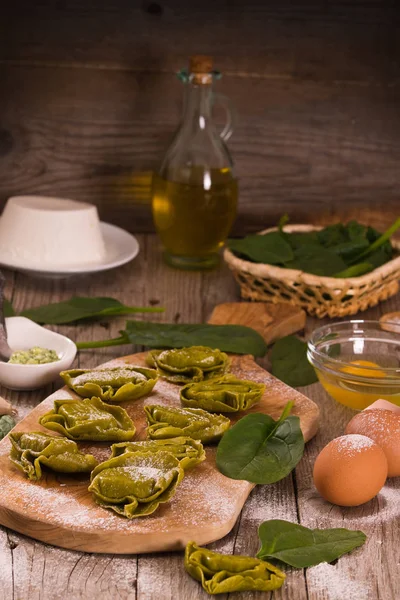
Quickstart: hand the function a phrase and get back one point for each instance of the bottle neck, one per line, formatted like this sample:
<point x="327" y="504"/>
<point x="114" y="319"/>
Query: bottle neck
<point x="197" y="107"/>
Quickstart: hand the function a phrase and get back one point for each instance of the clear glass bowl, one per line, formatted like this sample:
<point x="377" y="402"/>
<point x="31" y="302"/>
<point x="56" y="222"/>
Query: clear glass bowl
<point x="357" y="362"/>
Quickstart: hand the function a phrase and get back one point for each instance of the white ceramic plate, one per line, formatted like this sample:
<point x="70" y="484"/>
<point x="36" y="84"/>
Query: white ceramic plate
<point x="121" y="247"/>
<point x="22" y="334"/>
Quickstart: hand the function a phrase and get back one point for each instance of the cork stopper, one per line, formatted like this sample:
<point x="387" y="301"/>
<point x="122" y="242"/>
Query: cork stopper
<point x="200" y="66"/>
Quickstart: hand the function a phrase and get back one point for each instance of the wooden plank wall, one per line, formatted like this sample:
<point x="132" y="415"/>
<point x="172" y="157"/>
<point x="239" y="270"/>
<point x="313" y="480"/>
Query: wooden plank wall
<point x="89" y="101"/>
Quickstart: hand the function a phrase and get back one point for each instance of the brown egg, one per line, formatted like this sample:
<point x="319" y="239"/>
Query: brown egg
<point x="350" y="470"/>
<point x="382" y="426"/>
<point x="384" y="404"/>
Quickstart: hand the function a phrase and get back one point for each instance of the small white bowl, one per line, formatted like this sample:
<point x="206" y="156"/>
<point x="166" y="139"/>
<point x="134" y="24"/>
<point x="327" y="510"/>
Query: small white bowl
<point x="23" y="334"/>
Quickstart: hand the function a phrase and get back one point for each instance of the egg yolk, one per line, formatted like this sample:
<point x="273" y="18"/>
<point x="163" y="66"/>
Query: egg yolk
<point x="353" y="393"/>
<point x="356" y="370"/>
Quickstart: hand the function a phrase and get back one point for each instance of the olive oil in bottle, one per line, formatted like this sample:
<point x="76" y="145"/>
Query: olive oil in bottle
<point x="194" y="195"/>
<point x="193" y="221"/>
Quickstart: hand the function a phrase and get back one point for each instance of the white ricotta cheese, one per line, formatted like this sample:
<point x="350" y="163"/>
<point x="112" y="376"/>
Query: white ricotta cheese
<point x="53" y="232"/>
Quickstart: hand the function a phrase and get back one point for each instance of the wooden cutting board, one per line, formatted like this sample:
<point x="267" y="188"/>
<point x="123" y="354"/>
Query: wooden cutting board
<point x="59" y="510"/>
<point x="272" y="321"/>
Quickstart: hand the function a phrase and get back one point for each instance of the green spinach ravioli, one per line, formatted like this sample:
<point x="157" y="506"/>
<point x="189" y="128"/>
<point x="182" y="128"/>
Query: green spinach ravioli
<point x="223" y="573"/>
<point x="183" y="365"/>
<point x="167" y="422"/>
<point x="89" y="419"/>
<point x="31" y="451"/>
<point x="222" y="394"/>
<point x="189" y="452"/>
<point x="115" y="384"/>
<point x="135" y="483"/>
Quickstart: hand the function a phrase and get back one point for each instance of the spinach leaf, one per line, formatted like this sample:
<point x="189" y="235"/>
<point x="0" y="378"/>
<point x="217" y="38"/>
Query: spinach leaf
<point x="380" y="241"/>
<point x="301" y="547"/>
<point x="332" y="235"/>
<point x="284" y="220"/>
<point x="351" y="241"/>
<point x="355" y="270"/>
<point x="334" y="350"/>
<point x="335" y="251"/>
<point x="8" y="309"/>
<point x="372" y="234"/>
<point x="348" y="250"/>
<point x="259" y="449"/>
<point x="229" y="338"/>
<point x="81" y="307"/>
<point x="309" y="238"/>
<point x="289" y="362"/>
<point x="381" y="256"/>
<point x="316" y="260"/>
<point x="345" y="241"/>
<point x="356" y="231"/>
<point x="270" y="248"/>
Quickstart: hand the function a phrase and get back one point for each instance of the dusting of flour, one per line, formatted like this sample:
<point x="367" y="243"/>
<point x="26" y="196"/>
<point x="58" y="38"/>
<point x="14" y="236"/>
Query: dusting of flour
<point x="331" y="581"/>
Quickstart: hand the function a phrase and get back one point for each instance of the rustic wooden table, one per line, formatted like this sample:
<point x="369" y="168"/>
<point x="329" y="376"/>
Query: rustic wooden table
<point x="32" y="570"/>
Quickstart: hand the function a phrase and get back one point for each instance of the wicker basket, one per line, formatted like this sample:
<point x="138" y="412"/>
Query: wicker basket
<point x="319" y="296"/>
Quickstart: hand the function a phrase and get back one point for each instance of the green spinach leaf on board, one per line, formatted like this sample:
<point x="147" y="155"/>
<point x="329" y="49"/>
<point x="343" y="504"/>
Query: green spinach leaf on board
<point x="261" y="450"/>
<point x="289" y="362"/>
<point x="228" y="338"/>
<point x="302" y="547"/>
<point x="81" y="307"/>
<point x="270" y="248"/>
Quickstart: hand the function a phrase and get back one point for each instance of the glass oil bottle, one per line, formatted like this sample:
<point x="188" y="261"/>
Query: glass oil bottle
<point x="194" y="195"/>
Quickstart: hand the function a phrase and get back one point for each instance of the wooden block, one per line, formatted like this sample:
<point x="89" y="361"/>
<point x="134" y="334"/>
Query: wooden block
<point x="391" y="321"/>
<point x="272" y="321"/>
